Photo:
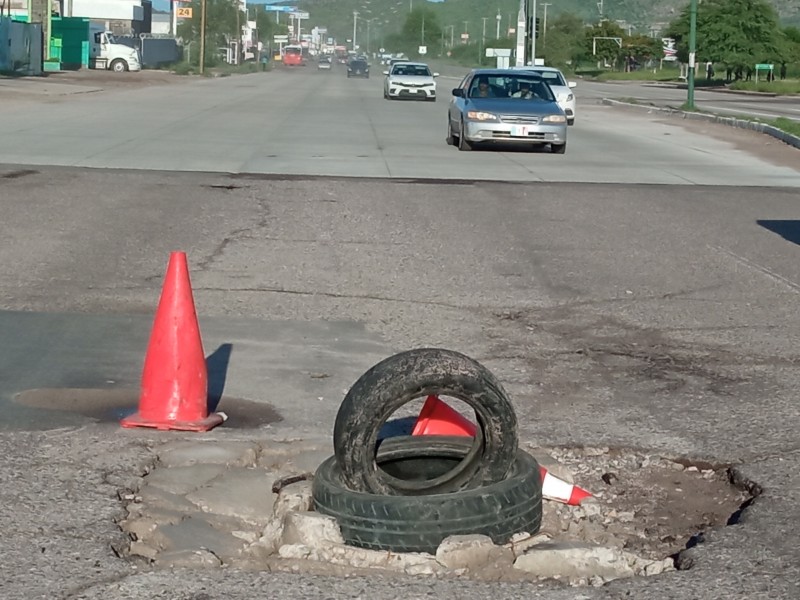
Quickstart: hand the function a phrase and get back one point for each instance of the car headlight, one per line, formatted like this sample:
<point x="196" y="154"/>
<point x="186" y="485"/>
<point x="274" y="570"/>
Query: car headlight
<point x="554" y="119"/>
<point x="477" y="115"/>
<point x="570" y="98"/>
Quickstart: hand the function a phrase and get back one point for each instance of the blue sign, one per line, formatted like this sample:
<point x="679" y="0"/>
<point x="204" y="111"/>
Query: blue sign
<point x="283" y="9"/>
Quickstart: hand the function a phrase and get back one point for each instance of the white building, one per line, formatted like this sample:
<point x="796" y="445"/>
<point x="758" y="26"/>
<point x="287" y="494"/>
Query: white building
<point x="123" y="17"/>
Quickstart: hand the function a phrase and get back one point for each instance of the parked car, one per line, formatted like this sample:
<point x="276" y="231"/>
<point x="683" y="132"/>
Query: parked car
<point x="508" y="106"/>
<point x="358" y="67"/>
<point x="561" y="88"/>
<point x="410" y="80"/>
<point x="324" y="62"/>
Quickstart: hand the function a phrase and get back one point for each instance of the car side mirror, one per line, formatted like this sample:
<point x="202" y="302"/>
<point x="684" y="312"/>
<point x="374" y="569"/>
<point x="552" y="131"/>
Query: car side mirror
<point x="435" y="74"/>
<point x="572" y="84"/>
<point x="458" y="92"/>
<point x="386" y="72"/>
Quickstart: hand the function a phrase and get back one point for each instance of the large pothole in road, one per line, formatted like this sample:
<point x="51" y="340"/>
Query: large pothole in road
<point x="203" y="504"/>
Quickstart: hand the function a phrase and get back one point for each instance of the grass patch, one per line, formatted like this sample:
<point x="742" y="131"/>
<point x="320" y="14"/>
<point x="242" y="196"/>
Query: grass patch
<point x="789" y="86"/>
<point x="786" y="125"/>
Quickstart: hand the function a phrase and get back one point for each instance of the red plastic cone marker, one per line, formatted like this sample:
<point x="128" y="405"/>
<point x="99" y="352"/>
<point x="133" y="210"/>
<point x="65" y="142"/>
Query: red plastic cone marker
<point x="437" y="418"/>
<point x="559" y="490"/>
<point x="174" y="379"/>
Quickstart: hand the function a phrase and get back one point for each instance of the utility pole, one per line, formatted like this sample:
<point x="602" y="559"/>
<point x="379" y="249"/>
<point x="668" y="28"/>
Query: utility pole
<point x="422" y="37"/>
<point x="483" y="38"/>
<point x="532" y="32"/>
<point x="202" y="36"/>
<point x="692" y="50"/>
<point x="499" y="18"/>
<point x="452" y="35"/>
<point x="544" y="24"/>
<point x="355" y="24"/>
<point x="466" y="29"/>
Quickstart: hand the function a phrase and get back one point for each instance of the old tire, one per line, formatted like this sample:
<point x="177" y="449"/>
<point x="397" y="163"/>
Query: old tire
<point x="413" y="374"/>
<point x="558" y="148"/>
<point x="420" y="523"/>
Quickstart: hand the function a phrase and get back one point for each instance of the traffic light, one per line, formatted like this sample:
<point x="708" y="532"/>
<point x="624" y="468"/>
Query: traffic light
<point x="529" y="25"/>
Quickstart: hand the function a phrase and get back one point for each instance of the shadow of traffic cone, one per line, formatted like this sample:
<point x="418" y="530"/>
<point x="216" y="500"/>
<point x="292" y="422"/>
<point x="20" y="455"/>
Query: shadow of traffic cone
<point x="174" y="391"/>
<point x="437" y="418"/>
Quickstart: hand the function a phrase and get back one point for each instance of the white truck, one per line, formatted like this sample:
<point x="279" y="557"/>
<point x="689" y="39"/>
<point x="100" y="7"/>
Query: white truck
<point x="106" y="53"/>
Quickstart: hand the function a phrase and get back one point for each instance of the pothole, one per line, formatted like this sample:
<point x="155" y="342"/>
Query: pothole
<point x="214" y="505"/>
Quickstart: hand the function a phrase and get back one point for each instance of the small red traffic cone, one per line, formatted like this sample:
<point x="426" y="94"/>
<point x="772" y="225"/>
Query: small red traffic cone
<point x="174" y="379"/>
<point x="559" y="490"/>
<point x="437" y="418"/>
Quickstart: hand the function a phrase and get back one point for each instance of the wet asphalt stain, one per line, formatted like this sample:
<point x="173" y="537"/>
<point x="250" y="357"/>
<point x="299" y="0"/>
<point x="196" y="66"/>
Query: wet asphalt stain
<point x="108" y="406"/>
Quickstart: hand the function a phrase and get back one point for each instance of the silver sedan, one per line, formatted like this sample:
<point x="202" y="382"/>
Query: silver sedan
<point x="507" y="106"/>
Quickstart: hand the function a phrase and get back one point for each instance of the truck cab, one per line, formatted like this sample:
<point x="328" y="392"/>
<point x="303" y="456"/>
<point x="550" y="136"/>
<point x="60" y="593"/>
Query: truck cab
<point x="107" y="53"/>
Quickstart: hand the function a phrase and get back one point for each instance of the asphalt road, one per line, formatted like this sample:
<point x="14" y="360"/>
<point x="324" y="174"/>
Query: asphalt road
<point x="642" y="295"/>
<point x="722" y="103"/>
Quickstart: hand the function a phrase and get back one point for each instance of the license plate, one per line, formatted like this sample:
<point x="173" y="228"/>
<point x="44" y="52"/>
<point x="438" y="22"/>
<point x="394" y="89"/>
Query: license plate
<point x="519" y="131"/>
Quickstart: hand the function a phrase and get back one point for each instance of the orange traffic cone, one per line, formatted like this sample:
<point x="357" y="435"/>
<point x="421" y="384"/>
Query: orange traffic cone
<point x="559" y="490"/>
<point x="174" y="379"/>
<point x="437" y="418"/>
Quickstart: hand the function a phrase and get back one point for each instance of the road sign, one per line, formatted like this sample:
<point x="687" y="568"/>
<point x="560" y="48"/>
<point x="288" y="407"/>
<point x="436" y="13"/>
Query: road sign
<point x="183" y="13"/>
<point x="280" y="38"/>
<point x="764" y="67"/>
<point x="283" y="9"/>
<point x="423" y="49"/>
<point x="299" y="15"/>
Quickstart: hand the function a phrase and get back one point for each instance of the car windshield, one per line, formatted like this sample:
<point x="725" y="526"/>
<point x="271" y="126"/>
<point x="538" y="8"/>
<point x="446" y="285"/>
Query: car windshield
<point x="517" y="87"/>
<point x="416" y="70"/>
<point x="552" y="77"/>
<point x="359" y="64"/>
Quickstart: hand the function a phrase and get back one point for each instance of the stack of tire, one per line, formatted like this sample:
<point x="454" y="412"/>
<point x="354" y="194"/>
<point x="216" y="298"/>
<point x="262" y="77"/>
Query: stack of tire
<point x="408" y="493"/>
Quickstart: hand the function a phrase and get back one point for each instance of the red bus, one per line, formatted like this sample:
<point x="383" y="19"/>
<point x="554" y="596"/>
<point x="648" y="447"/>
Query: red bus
<point x="293" y="56"/>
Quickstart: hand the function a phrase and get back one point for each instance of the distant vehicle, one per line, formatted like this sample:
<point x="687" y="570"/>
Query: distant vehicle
<point x="106" y="53"/>
<point x="561" y="88"/>
<point x="358" y="67"/>
<point x="410" y="80"/>
<point x="507" y="106"/>
<point x="324" y="63"/>
<point x="340" y="52"/>
<point x="292" y="56"/>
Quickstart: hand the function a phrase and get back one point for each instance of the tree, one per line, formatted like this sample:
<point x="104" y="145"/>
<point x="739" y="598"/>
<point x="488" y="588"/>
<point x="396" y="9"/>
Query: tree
<point x="607" y="50"/>
<point x="221" y="21"/>
<point x="738" y="33"/>
<point x="421" y="29"/>
<point x="564" y="42"/>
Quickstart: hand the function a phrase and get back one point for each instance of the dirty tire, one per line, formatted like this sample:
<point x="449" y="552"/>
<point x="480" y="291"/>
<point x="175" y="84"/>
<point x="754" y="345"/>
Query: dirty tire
<point x="414" y="374"/>
<point x="420" y="523"/>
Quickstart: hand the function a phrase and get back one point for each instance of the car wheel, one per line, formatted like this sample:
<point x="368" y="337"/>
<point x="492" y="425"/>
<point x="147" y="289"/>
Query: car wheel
<point x="119" y="66"/>
<point x="450" y="139"/>
<point x="420" y="523"/>
<point x="463" y="144"/>
<point x="558" y="148"/>
<point x="403" y="377"/>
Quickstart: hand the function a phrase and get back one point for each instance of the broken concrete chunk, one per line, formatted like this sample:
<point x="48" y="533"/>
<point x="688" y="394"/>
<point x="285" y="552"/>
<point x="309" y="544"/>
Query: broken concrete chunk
<point x="188" y="558"/>
<point x="471" y="552"/>
<point x="310" y="529"/>
<point x="182" y="480"/>
<point x="239" y="492"/>
<point x="576" y="560"/>
<point x="183" y="454"/>
<point x="296" y="497"/>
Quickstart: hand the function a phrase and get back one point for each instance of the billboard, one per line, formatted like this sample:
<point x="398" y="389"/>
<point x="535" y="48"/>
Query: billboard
<point x="283" y="9"/>
<point x="670" y="52"/>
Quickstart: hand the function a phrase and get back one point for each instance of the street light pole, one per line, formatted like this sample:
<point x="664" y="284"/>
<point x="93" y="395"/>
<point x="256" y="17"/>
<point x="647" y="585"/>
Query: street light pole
<point x="355" y="24"/>
<point x="544" y="24"/>
<point x="202" y="36"/>
<point x="692" y="50"/>
<point x="499" y="18"/>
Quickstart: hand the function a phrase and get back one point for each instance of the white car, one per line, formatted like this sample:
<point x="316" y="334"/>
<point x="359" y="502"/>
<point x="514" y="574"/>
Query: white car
<point x="561" y="88"/>
<point x="410" y="80"/>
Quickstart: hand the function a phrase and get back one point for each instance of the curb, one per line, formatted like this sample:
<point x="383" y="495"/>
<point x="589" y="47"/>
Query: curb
<point x="779" y="134"/>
